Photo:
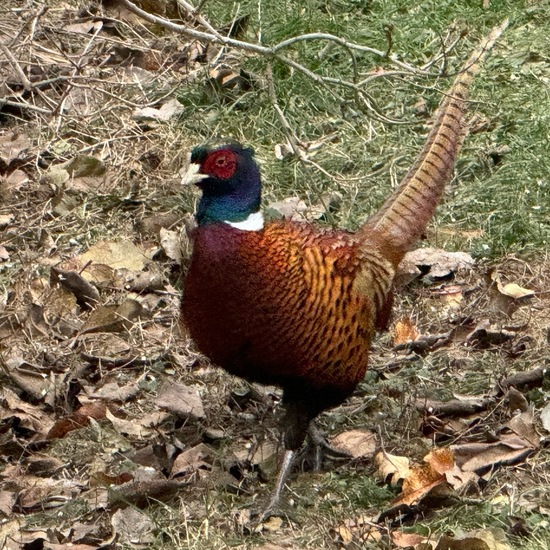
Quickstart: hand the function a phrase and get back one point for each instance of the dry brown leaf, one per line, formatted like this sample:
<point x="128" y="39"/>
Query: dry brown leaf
<point x="27" y="376"/>
<point x="404" y="331"/>
<point x="85" y="293"/>
<point x="128" y="427"/>
<point x="545" y="417"/>
<point x="114" y="318"/>
<point x="363" y="529"/>
<point x="171" y="243"/>
<point x="89" y="26"/>
<point x="10" y="532"/>
<point x="182" y="400"/>
<point x="421" y="480"/>
<point x="111" y="391"/>
<point x="291" y="208"/>
<point x="515" y="291"/>
<point x="199" y="457"/>
<point x="440" y="460"/>
<point x="13" y="145"/>
<point x="116" y="254"/>
<point x="168" y="110"/>
<point x="133" y="526"/>
<point x="477" y="457"/>
<point x="482" y="539"/>
<point x="30" y="417"/>
<point x="440" y="262"/>
<point x="7" y="503"/>
<point x="450" y="295"/>
<point x="523" y="425"/>
<point x="391" y="466"/>
<point x="357" y="443"/>
<point x="438" y="473"/>
<point x="407" y="540"/>
<point x="77" y="419"/>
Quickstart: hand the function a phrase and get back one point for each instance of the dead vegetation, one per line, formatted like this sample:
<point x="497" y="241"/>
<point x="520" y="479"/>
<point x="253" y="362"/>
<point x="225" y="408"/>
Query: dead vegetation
<point x="115" y="433"/>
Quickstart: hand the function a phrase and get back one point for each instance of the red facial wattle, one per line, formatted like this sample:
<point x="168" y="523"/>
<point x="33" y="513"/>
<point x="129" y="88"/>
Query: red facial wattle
<point x="220" y="164"/>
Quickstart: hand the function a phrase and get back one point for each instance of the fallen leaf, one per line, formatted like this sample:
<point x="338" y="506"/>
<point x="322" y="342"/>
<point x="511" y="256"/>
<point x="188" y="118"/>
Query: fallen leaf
<point x="171" y="243"/>
<point x="85" y="293"/>
<point x="363" y="529"/>
<point x="439" y="263"/>
<point x="407" y="540"/>
<point x="291" y="208"/>
<point x="450" y="295"/>
<point x="523" y="425"/>
<point x="77" y="420"/>
<point x="478" y="457"/>
<point x="515" y="291"/>
<point x="198" y="457"/>
<point x="133" y="526"/>
<point x="7" y="504"/>
<point x="10" y="531"/>
<point x="114" y="318"/>
<point x="6" y="219"/>
<point x="89" y="26"/>
<point x="357" y="443"/>
<point x="482" y="539"/>
<point x="127" y="427"/>
<point x="168" y="110"/>
<point x="545" y="417"/>
<point x="404" y="331"/>
<point x="182" y="400"/>
<point x="116" y="254"/>
<point x="391" y="466"/>
<point x="13" y="145"/>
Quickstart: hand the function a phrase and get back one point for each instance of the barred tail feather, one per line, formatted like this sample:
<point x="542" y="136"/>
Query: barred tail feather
<point x="403" y="218"/>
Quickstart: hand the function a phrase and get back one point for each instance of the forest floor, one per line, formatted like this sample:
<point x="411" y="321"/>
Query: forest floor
<point x="114" y="431"/>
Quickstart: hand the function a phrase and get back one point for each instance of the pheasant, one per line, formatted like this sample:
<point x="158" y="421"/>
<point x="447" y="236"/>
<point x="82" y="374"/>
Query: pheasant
<point x="293" y="305"/>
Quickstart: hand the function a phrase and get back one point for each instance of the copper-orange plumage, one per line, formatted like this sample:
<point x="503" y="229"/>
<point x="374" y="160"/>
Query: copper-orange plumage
<point x="290" y="304"/>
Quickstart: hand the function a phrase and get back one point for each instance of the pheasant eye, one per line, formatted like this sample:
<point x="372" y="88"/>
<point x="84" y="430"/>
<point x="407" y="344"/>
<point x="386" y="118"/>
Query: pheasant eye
<point x="220" y="164"/>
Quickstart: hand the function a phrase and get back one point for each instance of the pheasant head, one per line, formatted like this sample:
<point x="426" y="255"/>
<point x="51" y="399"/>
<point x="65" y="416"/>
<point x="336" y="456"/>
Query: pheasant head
<point x="229" y="179"/>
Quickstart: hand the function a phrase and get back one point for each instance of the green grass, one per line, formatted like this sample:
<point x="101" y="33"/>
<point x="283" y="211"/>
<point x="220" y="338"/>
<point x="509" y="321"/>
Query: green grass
<point x="502" y="187"/>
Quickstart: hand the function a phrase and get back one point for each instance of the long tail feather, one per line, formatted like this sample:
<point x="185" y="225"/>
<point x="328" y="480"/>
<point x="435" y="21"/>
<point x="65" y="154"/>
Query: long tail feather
<point x="403" y="218"/>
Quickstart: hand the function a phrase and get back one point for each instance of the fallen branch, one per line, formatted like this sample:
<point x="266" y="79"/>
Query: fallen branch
<point x="364" y="100"/>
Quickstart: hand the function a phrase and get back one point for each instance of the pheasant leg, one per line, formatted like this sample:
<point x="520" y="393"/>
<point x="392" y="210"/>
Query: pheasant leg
<point x="274" y="506"/>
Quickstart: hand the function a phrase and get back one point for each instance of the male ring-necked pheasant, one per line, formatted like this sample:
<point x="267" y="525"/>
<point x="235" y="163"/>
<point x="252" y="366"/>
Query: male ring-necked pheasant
<point x="290" y="304"/>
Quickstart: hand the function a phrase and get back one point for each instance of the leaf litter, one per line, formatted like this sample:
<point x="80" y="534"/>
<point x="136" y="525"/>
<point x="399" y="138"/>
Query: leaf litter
<point x="106" y="410"/>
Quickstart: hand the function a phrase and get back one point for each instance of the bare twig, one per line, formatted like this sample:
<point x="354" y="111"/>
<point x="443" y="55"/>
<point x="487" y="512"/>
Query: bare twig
<point x="363" y="98"/>
<point x="290" y="135"/>
<point x="273" y="51"/>
<point x="21" y="73"/>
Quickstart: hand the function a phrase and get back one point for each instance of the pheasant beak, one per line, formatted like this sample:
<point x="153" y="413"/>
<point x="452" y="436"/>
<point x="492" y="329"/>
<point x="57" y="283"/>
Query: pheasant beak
<point x="192" y="175"/>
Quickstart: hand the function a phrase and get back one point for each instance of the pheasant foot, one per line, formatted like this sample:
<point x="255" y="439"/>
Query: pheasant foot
<point x="275" y="507"/>
<point x="318" y="448"/>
